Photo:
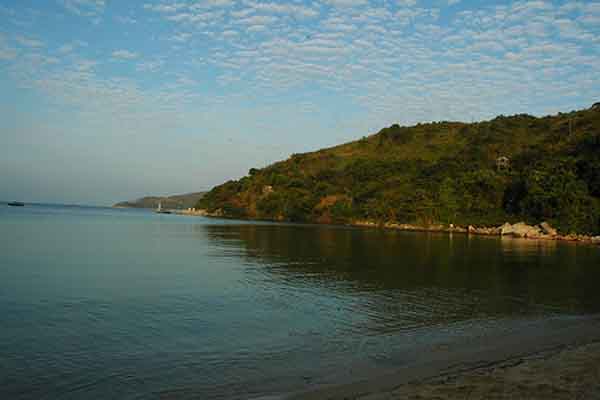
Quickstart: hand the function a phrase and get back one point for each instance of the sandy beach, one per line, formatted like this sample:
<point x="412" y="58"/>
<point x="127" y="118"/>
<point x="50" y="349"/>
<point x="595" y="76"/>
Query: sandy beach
<point x="559" y="361"/>
<point x="572" y="372"/>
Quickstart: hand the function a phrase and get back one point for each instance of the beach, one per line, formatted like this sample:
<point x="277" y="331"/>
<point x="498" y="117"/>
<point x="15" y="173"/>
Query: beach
<point x="560" y="361"/>
<point x="572" y="372"/>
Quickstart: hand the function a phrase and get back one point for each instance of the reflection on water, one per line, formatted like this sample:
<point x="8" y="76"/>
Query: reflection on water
<point x="406" y="279"/>
<point x="529" y="248"/>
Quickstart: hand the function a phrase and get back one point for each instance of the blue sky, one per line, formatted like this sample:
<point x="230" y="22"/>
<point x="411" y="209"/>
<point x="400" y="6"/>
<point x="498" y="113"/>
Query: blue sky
<point x="105" y="100"/>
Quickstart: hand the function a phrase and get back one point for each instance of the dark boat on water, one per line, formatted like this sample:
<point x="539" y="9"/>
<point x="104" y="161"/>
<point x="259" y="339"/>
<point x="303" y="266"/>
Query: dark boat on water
<point x="16" y="204"/>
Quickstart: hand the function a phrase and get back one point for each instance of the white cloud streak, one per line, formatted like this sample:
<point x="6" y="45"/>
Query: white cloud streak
<point x="124" y="55"/>
<point x="84" y="8"/>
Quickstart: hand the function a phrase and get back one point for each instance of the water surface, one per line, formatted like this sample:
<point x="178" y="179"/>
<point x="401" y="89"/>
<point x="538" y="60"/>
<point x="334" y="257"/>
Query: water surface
<point x="99" y="302"/>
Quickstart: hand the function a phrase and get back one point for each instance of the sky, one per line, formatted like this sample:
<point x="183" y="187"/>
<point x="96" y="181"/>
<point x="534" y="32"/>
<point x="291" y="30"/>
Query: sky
<point x="107" y="100"/>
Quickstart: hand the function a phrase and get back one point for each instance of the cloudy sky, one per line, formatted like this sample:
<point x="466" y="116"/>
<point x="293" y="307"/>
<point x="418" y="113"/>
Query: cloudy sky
<point x="105" y="100"/>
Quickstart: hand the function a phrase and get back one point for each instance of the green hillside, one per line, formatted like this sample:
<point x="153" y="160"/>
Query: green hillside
<point x="444" y="172"/>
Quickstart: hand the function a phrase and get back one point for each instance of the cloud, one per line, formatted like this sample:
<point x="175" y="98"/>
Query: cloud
<point x="384" y="60"/>
<point x="70" y="47"/>
<point x="346" y="3"/>
<point x="150" y="66"/>
<point x="408" y="3"/>
<point x="258" y="20"/>
<point x="256" y="28"/>
<point x="181" y="37"/>
<point x="124" y="55"/>
<point x="212" y="4"/>
<point x="195" y="17"/>
<point x="85" y="8"/>
<point x="242" y="13"/>
<point x="84" y="65"/>
<point x="230" y="33"/>
<point x="7" y="53"/>
<point x="588" y="19"/>
<point x="66" y="48"/>
<point x="124" y="19"/>
<point x="408" y="15"/>
<point x="295" y="10"/>
<point x="29" y="42"/>
<point x="165" y="8"/>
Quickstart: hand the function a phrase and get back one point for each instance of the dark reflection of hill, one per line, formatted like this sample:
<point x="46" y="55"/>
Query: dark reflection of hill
<point x="447" y="277"/>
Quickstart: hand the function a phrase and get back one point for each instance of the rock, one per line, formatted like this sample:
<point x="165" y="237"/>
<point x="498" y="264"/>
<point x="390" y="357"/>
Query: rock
<point x="506" y="229"/>
<point x="486" y="231"/>
<point x="492" y="231"/>
<point x="528" y="231"/>
<point x="520" y="229"/>
<point x="548" y="230"/>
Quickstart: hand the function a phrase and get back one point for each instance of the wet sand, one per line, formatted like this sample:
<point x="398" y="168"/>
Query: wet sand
<point x="559" y="361"/>
<point x="570" y="373"/>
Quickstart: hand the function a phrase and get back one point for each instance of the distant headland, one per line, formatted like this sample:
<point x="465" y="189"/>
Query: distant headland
<point x="175" y="202"/>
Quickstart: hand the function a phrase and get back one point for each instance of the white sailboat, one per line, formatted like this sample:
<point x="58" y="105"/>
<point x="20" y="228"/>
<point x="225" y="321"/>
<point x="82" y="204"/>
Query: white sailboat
<point x="159" y="209"/>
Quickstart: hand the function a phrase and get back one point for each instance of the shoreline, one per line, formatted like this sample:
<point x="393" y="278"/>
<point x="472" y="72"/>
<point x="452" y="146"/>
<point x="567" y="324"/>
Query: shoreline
<point x="519" y="230"/>
<point x="553" y="361"/>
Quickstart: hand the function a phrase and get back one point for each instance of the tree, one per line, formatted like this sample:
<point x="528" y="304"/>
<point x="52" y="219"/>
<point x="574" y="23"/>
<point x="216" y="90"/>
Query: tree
<point x="448" y="202"/>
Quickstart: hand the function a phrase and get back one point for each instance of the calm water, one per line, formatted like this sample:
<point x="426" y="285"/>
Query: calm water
<point x="98" y="302"/>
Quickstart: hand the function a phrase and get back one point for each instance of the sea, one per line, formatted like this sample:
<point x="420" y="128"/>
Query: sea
<point x="123" y="303"/>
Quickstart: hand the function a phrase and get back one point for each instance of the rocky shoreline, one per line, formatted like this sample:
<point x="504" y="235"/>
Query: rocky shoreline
<point x="542" y="231"/>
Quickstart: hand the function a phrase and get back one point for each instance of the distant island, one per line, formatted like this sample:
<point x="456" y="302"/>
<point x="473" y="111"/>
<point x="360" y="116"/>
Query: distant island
<point x="175" y="202"/>
<point x="509" y="169"/>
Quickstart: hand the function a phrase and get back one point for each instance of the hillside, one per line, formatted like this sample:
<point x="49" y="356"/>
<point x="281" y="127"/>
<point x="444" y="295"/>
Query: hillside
<point x="177" y="202"/>
<point x="444" y="172"/>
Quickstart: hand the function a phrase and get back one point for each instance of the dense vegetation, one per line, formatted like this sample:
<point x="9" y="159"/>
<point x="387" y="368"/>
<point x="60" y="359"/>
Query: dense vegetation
<point x="178" y="201"/>
<point x="445" y="172"/>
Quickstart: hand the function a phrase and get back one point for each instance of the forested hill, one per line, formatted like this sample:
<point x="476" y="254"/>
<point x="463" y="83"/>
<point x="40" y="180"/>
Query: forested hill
<point x="510" y="168"/>
<point x="179" y="201"/>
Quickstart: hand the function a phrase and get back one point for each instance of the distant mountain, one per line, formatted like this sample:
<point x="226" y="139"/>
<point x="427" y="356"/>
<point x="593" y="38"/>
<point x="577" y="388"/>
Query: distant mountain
<point x="179" y="201"/>
<point x="511" y="168"/>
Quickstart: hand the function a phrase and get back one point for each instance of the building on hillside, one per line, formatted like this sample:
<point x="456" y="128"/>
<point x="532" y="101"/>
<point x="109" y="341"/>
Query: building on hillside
<point x="502" y="163"/>
<point x="267" y="190"/>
